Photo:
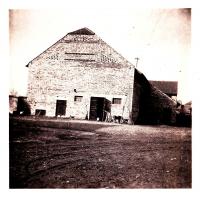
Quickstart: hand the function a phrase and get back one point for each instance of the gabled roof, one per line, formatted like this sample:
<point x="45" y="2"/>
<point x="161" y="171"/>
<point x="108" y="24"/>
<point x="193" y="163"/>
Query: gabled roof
<point x="92" y="38"/>
<point x="168" y="87"/>
<point x="83" y="31"/>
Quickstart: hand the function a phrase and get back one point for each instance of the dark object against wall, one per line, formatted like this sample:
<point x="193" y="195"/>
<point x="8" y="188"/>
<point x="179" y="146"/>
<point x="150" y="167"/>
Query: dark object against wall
<point x="23" y="108"/>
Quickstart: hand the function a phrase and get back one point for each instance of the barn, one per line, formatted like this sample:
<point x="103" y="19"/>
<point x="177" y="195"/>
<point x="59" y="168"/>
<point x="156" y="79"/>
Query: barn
<point x="82" y="77"/>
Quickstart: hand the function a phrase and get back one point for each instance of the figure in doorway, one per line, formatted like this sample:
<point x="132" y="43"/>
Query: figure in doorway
<point x="108" y="117"/>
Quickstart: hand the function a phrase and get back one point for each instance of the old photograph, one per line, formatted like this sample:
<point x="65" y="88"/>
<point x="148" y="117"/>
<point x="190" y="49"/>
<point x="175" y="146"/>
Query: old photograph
<point x="100" y="98"/>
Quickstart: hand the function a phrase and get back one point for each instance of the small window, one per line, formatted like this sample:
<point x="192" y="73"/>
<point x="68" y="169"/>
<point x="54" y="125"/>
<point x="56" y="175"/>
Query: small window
<point x="78" y="98"/>
<point x="116" y="101"/>
<point x="40" y="112"/>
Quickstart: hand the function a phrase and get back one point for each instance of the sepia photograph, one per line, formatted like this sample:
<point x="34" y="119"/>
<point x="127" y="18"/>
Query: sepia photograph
<point x="100" y="98"/>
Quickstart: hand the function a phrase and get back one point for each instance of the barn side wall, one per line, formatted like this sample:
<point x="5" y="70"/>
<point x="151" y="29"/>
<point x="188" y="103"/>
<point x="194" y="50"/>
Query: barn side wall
<point x="153" y="106"/>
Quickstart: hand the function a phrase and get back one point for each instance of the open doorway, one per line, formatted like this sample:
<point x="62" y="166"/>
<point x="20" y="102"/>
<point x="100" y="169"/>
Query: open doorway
<point x="61" y="107"/>
<point x="98" y="106"/>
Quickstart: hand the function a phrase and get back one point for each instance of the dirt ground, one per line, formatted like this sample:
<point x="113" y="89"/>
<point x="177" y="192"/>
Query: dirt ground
<point x="104" y="156"/>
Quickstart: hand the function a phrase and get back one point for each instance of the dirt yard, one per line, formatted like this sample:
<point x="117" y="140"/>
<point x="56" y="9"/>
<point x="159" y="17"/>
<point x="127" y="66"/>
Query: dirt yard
<point x="98" y="155"/>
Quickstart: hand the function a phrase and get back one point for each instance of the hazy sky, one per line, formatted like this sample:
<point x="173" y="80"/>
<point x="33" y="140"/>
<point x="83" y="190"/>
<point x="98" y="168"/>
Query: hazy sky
<point x="159" y="37"/>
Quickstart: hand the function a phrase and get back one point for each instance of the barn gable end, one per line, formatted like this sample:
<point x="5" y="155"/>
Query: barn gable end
<point x="80" y="64"/>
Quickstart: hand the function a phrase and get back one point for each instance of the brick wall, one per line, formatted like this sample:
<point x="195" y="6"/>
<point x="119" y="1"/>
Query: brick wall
<point x="81" y="65"/>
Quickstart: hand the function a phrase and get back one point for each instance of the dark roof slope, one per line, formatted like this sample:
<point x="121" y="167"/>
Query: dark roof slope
<point x="83" y="31"/>
<point x="168" y="87"/>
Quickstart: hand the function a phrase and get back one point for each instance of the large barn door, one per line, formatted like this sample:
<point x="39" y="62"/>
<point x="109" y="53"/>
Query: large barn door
<point x="96" y="108"/>
<point x="61" y="107"/>
<point x="98" y="105"/>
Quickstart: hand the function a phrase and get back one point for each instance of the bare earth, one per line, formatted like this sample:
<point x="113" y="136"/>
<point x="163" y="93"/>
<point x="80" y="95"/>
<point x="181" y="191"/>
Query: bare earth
<point x="103" y="156"/>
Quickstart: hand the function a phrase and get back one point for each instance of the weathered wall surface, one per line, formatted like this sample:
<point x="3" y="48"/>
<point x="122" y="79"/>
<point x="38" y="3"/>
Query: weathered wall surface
<point x="152" y="106"/>
<point x="80" y="65"/>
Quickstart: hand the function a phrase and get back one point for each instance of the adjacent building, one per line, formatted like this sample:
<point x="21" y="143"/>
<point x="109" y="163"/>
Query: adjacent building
<point x="170" y="88"/>
<point x="12" y="103"/>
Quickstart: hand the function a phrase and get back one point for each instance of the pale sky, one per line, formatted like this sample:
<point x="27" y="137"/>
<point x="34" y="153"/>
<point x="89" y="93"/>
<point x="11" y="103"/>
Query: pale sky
<point x="159" y="37"/>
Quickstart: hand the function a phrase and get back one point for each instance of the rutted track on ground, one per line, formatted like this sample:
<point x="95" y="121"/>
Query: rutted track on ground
<point x="44" y="157"/>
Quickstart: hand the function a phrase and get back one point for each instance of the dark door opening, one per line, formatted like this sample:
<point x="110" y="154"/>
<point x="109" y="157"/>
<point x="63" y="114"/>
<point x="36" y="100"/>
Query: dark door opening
<point x="61" y="107"/>
<point x="98" y="105"/>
